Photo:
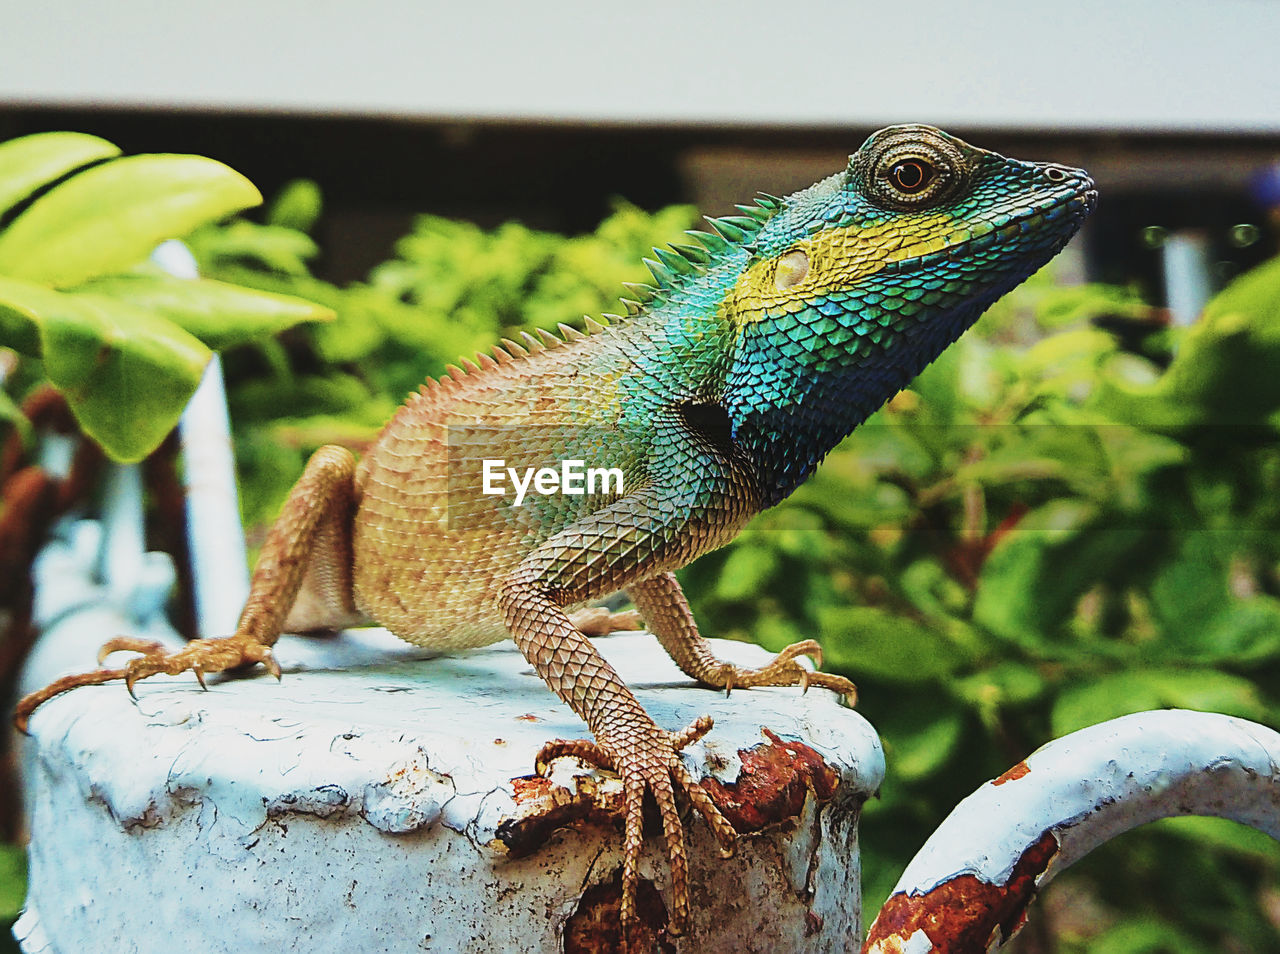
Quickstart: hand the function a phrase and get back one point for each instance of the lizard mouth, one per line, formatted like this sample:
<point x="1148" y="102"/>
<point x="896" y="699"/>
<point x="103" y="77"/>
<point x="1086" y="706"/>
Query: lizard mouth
<point x="1087" y="201"/>
<point x="1063" y="217"/>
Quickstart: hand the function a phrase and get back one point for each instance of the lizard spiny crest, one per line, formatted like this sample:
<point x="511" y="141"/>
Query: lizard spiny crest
<point x="674" y="268"/>
<point x="678" y="264"/>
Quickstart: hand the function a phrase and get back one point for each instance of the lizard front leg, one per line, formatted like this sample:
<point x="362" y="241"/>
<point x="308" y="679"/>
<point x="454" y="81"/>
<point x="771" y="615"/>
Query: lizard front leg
<point x="595" y="555"/>
<point x="310" y="538"/>
<point x="664" y="609"/>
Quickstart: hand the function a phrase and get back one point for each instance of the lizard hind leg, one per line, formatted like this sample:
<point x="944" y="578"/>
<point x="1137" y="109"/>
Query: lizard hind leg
<point x="663" y="606"/>
<point x="314" y="525"/>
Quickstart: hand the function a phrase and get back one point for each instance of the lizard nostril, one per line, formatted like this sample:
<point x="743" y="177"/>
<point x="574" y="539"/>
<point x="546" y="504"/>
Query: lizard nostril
<point x="1054" y="174"/>
<point x="791" y="269"/>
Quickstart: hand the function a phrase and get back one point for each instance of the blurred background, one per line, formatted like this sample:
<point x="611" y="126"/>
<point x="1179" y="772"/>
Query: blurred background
<point x="1070" y="516"/>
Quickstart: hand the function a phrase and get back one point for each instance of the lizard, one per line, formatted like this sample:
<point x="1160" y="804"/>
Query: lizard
<point x="759" y="347"/>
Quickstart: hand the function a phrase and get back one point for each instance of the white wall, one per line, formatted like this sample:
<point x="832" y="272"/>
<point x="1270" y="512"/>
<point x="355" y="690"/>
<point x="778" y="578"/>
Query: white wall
<point x="1153" y="64"/>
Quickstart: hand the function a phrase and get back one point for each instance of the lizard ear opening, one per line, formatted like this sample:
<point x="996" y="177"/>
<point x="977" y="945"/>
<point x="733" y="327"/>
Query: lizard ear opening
<point x="710" y="423"/>
<point x="791" y="269"/>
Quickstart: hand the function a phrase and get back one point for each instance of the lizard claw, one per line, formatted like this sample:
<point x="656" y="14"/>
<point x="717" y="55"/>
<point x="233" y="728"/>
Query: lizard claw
<point x="584" y="749"/>
<point x="131" y="677"/>
<point x="692" y="732"/>
<point x="783" y="670"/>
<point x="200" y="657"/>
<point x="268" y="661"/>
<point x="647" y="758"/>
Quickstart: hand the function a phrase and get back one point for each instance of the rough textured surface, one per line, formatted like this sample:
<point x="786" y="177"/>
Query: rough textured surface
<point x="970" y="885"/>
<point x="360" y="810"/>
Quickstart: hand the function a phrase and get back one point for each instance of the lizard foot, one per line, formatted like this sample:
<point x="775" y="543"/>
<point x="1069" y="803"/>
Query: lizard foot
<point x="200" y="656"/>
<point x="785" y="671"/>
<point x="647" y="757"/>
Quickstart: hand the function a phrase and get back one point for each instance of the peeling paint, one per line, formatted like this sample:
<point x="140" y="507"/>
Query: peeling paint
<point x="593" y="926"/>
<point x="962" y="915"/>
<point x="774" y="780"/>
<point x="812" y="923"/>
<point x="412" y="796"/>
<point x="1013" y="774"/>
<point x="322" y="801"/>
<point x="544" y="805"/>
<point x="772" y="784"/>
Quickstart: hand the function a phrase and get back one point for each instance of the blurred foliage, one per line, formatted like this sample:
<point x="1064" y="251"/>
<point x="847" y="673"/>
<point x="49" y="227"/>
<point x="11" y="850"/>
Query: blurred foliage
<point x="1044" y="532"/>
<point x="13" y="888"/>
<point x="126" y="344"/>
<point x="12" y="882"/>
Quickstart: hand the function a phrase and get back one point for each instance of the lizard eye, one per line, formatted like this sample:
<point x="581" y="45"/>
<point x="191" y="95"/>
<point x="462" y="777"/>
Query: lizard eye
<point x="906" y="179"/>
<point x="910" y="168"/>
<point x="911" y="175"/>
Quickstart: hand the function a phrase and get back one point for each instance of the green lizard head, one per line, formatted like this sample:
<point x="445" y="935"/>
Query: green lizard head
<point x="847" y="289"/>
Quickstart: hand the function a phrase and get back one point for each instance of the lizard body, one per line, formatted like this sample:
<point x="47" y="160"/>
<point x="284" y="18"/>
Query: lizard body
<point x="759" y="349"/>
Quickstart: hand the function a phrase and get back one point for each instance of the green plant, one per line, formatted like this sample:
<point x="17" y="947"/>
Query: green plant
<point x="124" y="343"/>
<point x="12" y="889"/>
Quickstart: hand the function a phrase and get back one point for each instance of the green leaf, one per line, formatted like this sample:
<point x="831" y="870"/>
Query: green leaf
<point x="111" y="216"/>
<point x="1004" y="684"/>
<point x="1191" y="587"/>
<point x="13" y="881"/>
<point x="1203" y="832"/>
<point x="1224" y="369"/>
<point x="865" y="639"/>
<point x="297" y="206"/>
<point x="1088" y="702"/>
<point x="30" y="162"/>
<point x="11" y="415"/>
<point x="18" y="327"/>
<point x="1246" y="633"/>
<point x="219" y="314"/>
<point x="1254" y="297"/>
<point x="932" y="590"/>
<point x="920" y="740"/>
<point x="126" y="373"/>
<point x="746" y="571"/>
<point x="1144" y="936"/>
<point x="1031" y="582"/>
<point x="245" y="251"/>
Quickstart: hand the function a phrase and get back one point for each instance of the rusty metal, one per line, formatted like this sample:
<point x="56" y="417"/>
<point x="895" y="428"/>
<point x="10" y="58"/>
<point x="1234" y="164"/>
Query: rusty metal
<point x="771" y="786"/>
<point x="969" y="887"/>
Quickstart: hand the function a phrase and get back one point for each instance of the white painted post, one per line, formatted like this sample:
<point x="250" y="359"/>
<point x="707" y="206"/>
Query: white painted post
<point x="215" y="539"/>
<point x="391" y="807"/>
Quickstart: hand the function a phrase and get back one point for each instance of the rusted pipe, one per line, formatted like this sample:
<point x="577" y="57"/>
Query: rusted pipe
<point x="969" y="887"/>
